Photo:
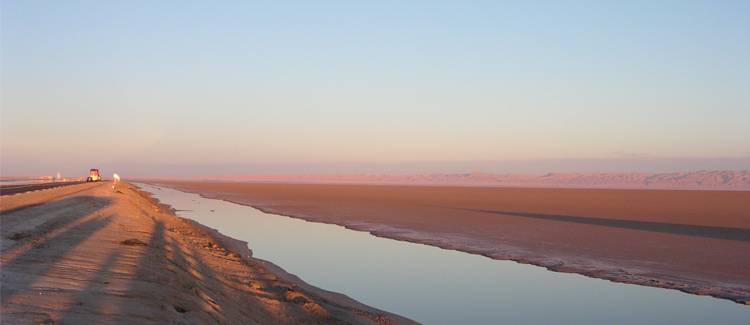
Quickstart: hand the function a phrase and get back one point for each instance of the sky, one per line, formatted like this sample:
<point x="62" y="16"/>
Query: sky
<point x="187" y="87"/>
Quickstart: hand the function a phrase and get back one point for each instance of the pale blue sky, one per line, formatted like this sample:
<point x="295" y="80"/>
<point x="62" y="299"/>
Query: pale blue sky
<point x="201" y="83"/>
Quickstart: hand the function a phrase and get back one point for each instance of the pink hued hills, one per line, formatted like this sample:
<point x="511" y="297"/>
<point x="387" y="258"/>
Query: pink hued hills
<point x="704" y="180"/>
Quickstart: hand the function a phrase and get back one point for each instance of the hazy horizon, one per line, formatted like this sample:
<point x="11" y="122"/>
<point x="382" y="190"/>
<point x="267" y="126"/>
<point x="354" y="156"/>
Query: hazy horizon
<point x="624" y="165"/>
<point x="188" y="87"/>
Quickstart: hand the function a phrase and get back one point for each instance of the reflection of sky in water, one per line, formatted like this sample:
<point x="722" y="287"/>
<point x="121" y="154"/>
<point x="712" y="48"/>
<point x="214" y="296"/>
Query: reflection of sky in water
<point x="433" y="285"/>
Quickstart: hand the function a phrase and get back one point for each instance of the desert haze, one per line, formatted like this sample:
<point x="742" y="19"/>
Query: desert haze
<point x="703" y="180"/>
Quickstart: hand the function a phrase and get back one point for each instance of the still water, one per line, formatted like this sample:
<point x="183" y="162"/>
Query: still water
<point x="437" y="286"/>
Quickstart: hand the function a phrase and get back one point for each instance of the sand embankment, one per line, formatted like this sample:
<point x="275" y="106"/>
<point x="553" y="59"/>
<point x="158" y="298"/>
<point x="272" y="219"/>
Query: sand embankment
<point x="85" y="254"/>
<point x="693" y="241"/>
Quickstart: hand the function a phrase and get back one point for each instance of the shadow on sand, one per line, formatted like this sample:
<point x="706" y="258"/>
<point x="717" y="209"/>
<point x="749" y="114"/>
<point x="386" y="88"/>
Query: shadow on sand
<point x="727" y="233"/>
<point x="44" y="246"/>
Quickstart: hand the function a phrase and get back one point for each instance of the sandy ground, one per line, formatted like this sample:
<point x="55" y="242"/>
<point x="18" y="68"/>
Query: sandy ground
<point x="85" y="254"/>
<point x="694" y="241"/>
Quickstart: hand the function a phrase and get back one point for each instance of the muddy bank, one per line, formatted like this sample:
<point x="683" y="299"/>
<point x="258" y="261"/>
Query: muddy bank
<point x="87" y="254"/>
<point x="694" y="241"/>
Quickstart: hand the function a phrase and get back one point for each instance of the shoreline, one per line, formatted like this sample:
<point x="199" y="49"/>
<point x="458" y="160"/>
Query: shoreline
<point x="617" y="276"/>
<point x="245" y="253"/>
<point x="137" y="261"/>
<point x="563" y="264"/>
<point x="241" y="247"/>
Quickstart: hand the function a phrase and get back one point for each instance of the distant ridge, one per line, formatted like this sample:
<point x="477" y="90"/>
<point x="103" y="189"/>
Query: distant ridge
<point x="704" y="180"/>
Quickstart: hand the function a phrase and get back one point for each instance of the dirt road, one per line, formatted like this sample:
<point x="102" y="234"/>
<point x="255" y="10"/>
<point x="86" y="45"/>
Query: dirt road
<point x="23" y="188"/>
<point x="85" y="254"/>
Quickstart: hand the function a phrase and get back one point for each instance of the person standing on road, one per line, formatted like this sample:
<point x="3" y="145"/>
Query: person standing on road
<point x="115" y="180"/>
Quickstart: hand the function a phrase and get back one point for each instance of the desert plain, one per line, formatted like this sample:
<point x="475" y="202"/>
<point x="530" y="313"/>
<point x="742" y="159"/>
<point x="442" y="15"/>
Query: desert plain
<point x="690" y="240"/>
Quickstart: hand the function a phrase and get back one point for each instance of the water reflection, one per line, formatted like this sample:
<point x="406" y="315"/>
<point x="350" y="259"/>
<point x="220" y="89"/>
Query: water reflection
<point x="437" y="286"/>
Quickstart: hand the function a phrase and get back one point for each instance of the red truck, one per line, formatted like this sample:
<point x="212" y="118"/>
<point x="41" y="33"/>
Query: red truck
<point x="94" y="175"/>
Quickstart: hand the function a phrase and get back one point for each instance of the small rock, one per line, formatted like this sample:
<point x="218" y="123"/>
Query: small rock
<point x="133" y="242"/>
<point x="19" y="235"/>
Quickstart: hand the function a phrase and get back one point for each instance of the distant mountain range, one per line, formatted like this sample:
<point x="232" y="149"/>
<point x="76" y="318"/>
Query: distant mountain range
<point x="714" y="180"/>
